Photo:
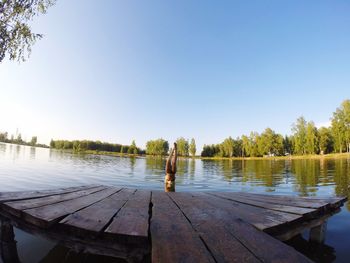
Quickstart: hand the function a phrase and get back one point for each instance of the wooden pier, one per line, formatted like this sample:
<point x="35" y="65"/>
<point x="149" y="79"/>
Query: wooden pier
<point x="154" y="226"/>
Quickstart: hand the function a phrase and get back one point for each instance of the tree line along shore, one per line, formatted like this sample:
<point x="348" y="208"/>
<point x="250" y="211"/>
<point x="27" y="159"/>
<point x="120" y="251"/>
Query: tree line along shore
<point x="18" y="140"/>
<point x="306" y="140"/>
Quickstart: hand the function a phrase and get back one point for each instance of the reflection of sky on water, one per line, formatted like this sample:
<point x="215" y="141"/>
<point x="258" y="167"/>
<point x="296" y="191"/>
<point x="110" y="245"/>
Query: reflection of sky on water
<point x="24" y="167"/>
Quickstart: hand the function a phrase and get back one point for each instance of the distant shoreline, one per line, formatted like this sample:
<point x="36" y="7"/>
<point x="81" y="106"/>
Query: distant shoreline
<point x="39" y="145"/>
<point x="117" y="154"/>
<point x="290" y="157"/>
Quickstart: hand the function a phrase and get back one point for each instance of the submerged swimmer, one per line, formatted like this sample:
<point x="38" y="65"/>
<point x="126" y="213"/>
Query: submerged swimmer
<point x="170" y="169"/>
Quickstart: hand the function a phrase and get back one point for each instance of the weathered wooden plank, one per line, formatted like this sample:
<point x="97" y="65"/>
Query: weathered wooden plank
<point x="334" y="202"/>
<point x="312" y="199"/>
<point x="95" y="217"/>
<point x="264" y="219"/>
<point x="306" y="212"/>
<point x="173" y="238"/>
<point x="209" y="222"/>
<point x="209" y="226"/>
<point x="132" y="221"/>
<point x="45" y="216"/>
<point x="229" y="238"/>
<point x="15" y="207"/>
<point x="329" y="201"/>
<point x="263" y="245"/>
<point x="287" y="201"/>
<point x="12" y="196"/>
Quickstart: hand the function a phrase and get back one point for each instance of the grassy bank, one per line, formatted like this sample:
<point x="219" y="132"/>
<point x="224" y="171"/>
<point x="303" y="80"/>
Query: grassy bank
<point x="311" y="156"/>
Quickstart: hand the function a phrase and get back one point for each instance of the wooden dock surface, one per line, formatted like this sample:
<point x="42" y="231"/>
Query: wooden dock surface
<point x="141" y="225"/>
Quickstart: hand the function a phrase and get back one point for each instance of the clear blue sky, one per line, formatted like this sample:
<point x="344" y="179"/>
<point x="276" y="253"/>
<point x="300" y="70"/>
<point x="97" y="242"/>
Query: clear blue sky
<point x="122" y="70"/>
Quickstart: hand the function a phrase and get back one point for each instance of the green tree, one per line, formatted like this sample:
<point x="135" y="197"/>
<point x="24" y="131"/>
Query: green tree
<point x="270" y="143"/>
<point x="19" y="138"/>
<point x="193" y="148"/>
<point x="67" y="145"/>
<point x="341" y="127"/>
<point x="346" y="112"/>
<point x="245" y="146"/>
<point x="250" y="145"/>
<point x="205" y="151"/>
<point x="34" y="140"/>
<point x="299" y="135"/>
<point x="133" y="148"/>
<point x="76" y="146"/>
<point x="89" y="145"/>
<point x="16" y="36"/>
<point x="311" y="146"/>
<point x="157" y="147"/>
<point x="3" y="137"/>
<point x="124" y="149"/>
<point x="325" y="140"/>
<point x="253" y="144"/>
<point x="338" y="131"/>
<point x="287" y="144"/>
<point x="227" y="147"/>
<point x="182" y="146"/>
<point x="210" y="150"/>
<point x="237" y="147"/>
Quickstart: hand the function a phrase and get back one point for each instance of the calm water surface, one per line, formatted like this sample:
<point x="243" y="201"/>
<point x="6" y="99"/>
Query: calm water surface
<point x="28" y="168"/>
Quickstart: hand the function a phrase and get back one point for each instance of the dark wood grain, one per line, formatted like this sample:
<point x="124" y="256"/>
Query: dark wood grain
<point x="265" y="247"/>
<point x="229" y="238"/>
<point x="95" y="217"/>
<point x="334" y="202"/>
<point x="131" y="221"/>
<point x="261" y="218"/>
<point x="47" y="215"/>
<point x="173" y="237"/>
<point x="209" y="222"/>
<point x="306" y="212"/>
<point x="287" y="200"/>
<point x="16" y="207"/>
<point x="20" y="195"/>
<point x="172" y="227"/>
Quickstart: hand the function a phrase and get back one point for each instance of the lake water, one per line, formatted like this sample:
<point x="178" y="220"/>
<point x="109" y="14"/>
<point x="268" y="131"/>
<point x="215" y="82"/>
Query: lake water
<point x="28" y="168"/>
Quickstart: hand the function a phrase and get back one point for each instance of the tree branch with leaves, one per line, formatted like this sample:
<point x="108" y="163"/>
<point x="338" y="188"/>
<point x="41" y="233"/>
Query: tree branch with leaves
<point x="16" y="36"/>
